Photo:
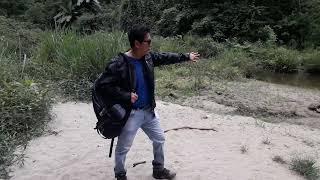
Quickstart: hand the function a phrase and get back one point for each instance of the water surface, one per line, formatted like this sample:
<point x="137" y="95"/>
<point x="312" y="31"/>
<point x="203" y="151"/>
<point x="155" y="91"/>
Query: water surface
<point x="305" y="80"/>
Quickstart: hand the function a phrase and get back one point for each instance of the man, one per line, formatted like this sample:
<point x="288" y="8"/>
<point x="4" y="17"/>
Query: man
<point x="130" y="82"/>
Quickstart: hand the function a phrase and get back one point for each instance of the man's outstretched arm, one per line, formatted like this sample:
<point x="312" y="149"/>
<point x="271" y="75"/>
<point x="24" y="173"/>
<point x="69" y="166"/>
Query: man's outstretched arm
<point x="171" y="58"/>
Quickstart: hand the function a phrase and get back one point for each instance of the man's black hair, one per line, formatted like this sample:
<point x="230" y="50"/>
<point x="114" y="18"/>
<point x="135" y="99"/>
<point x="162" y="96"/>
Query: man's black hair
<point x="137" y="32"/>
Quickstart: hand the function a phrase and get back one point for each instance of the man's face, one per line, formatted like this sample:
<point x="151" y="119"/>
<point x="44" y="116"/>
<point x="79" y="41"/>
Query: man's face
<point x="145" y="46"/>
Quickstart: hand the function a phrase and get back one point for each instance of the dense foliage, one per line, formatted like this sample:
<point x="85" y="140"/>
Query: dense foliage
<point x="24" y="107"/>
<point x="294" y="22"/>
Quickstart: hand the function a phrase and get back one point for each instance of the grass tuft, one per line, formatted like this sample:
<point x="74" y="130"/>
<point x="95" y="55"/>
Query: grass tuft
<point x="244" y="149"/>
<point x="305" y="167"/>
<point x="266" y="141"/>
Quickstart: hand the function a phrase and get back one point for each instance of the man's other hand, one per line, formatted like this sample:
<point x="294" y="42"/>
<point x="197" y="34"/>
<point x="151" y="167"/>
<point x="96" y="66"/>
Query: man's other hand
<point x="194" y="56"/>
<point x="134" y="97"/>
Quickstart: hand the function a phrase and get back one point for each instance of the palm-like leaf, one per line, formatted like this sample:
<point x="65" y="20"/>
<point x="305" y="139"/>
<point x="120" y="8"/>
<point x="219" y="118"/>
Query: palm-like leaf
<point x="69" y="11"/>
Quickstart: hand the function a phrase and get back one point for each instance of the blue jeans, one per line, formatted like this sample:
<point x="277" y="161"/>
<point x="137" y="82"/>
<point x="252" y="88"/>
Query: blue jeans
<point x="149" y="123"/>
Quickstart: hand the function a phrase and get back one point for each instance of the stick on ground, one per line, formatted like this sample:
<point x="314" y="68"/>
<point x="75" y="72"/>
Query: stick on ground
<point x="187" y="127"/>
<point x="137" y="163"/>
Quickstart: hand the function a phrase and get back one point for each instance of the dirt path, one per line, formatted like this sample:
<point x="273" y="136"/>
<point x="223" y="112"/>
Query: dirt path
<point x="241" y="148"/>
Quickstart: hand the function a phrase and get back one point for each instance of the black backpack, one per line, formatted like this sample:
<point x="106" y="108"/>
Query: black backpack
<point x="110" y="117"/>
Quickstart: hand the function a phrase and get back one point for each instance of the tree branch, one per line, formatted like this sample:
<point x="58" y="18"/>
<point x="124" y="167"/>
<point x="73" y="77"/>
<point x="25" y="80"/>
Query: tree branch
<point x="137" y="163"/>
<point x="187" y="127"/>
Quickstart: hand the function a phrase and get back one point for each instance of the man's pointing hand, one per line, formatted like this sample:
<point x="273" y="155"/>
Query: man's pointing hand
<point x="194" y="56"/>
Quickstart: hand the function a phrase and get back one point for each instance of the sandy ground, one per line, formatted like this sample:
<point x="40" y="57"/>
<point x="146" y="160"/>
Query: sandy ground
<point x="77" y="152"/>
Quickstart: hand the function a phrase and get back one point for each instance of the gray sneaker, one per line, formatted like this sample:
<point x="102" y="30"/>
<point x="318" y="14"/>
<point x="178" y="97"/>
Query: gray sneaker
<point x="163" y="174"/>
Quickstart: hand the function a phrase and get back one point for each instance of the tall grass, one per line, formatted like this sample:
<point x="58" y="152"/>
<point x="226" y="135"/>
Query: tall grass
<point x="79" y="56"/>
<point x="24" y="107"/>
<point x="73" y="61"/>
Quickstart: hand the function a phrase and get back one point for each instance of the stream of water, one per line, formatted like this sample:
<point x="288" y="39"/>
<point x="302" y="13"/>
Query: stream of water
<point x="304" y="80"/>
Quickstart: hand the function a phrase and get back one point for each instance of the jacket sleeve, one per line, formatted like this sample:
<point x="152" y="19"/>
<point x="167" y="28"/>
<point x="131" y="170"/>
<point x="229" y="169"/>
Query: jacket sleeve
<point x="168" y="58"/>
<point x="108" y="85"/>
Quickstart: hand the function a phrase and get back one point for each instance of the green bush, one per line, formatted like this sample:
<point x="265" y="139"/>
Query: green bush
<point x="37" y="14"/>
<point x="206" y="46"/>
<point x="278" y="59"/>
<point x="311" y="61"/>
<point x="267" y="35"/>
<point x="10" y="69"/>
<point x="205" y="26"/>
<point x="137" y="12"/>
<point x="24" y="113"/>
<point x="17" y="37"/>
<point x="172" y="44"/>
<point x="167" y="25"/>
<point x="14" y="8"/>
<point x="234" y="64"/>
<point x="24" y="106"/>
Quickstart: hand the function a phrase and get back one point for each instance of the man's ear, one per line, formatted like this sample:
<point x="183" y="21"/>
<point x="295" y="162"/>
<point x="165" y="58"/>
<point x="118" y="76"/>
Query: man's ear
<point x="136" y="43"/>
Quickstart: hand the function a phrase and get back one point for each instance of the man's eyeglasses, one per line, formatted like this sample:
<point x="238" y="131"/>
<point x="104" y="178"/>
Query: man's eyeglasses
<point x="147" y="41"/>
